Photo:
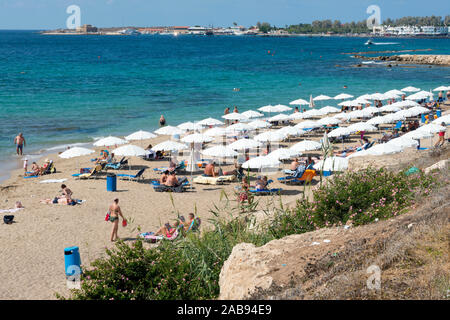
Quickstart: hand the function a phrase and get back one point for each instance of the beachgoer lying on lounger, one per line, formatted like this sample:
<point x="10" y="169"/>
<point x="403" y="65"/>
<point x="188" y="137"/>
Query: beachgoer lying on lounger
<point x="261" y="183"/>
<point x="164" y="177"/>
<point x="238" y="171"/>
<point x="167" y="230"/>
<point x="103" y="157"/>
<point x="294" y="164"/>
<point x="172" y="180"/>
<point x="364" y="143"/>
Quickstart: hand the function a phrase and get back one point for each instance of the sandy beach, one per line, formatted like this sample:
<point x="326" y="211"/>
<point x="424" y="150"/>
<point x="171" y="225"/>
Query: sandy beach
<point x="32" y="254"/>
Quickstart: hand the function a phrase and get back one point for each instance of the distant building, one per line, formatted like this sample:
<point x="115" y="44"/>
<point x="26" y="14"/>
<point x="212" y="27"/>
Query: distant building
<point x="87" y="28"/>
<point x="410" y="31"/>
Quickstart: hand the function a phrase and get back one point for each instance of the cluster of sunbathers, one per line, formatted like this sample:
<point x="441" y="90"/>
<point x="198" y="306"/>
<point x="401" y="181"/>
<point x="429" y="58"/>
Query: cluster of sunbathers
<point x="36" y="170"/>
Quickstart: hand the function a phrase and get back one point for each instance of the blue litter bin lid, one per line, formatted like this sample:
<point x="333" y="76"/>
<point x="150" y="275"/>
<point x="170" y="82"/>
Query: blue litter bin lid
<point x="70" y="250"/>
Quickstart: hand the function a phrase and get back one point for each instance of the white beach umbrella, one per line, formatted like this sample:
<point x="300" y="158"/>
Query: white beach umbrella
<point x="190" y="126"/>
<point x="441" y="88"/>
<point x="322" y="98"/>
<point x="329" y="109"/>
<point x="338" y="132"/>
<point x="313" y="113"/>
<point x="261" y="162"/>
<point x="130" y="150"/>
<point x="372" y="110"/>
<point x="140" y="135"/>
<point x="259" y="124"/>
<point x="419" y="110"/>
<point x="384" y="148"/>
<point x="220" y="152"/>
<point x="406" y="104"/>
<point x="297" y="116"/>
<point x="291" y="131"/>
<point x="417" y="135"/>
<point x="393" y="117"/>
<point x="445" y="119"/>
<point x="283" y="154"/>
<point x="270" y="136"/>
<point x="389" y="108"/>
<point x="391" y="95"/>
<point x="332" y="164"/>
<point x="306" y="145"/>
<point x="279" y="117"/>
<point x="252" y="114"/>
<point x="431" y="128"/>
<point x="407" y="113"/>
<point x="235" y="116"/>
<point x="343" y="96"/>
<point x="238" y="127"/>
<point x="378" y="96"/>
<point x="404" y="142"/>
<point x="362" y="101"/>
<point x="196" y="138"/>
<point x="359" y="114"/>
<point x="215" y="132"/>
<point x="276" y="108"/>
<point x="420" y="95"/>
<point x="361" y="126"/>
<point x="342" y="115"/>
<point x="243" y="144"/>
<point x="169" y="130"/>
<point x="377" y="120"/>
<point x="109" y="141"/>
<point x="365" y="97"/>
<point x="395" y="91"/>
<point x="351" y="103"/>
<point x="75" y="152"/>
<point x="410" y="89"/>
<point x="210" y="122"/>
<point x="299" y="102"/>
<point x="169" y="145"/>
<point x="308" y="124"/>
<point x="329" y="121"/>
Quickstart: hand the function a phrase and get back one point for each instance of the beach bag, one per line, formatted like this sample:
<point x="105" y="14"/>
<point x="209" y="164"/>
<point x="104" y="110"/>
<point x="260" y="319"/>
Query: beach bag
<point x="8" y="219"/>
<point x="107" y="216"/>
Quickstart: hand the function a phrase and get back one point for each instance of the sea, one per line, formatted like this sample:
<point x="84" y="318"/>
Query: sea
<point x="65" y="90"/>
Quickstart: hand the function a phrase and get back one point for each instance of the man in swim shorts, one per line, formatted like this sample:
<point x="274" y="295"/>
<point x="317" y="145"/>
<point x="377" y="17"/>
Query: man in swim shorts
<point x="20" y="142"/>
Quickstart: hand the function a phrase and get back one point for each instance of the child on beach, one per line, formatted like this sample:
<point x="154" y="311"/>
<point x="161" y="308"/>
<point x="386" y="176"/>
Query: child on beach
<point x="25" y="166"/>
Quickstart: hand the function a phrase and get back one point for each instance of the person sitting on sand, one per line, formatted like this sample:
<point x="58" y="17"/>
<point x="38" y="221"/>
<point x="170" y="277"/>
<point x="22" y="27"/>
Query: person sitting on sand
<point x="166" y="230"/>
<point x="261" y="183"/>
<point x="172" y="180"/>
<point x="35" y="169"/>
<point x="164" y="177"/>
<point x="44" y="166"/>
<point x="210" y="169"/>
<point x="294" y="164"/>
<point x="114" y="213"/>
<point x="67" y="193"/>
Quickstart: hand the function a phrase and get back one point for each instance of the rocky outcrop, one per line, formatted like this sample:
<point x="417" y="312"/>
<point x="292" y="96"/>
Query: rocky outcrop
<point x="427" y="59"/>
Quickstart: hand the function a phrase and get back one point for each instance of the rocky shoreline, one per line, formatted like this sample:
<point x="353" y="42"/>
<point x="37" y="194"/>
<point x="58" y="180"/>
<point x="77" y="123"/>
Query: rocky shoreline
<point x="427" y="59"/>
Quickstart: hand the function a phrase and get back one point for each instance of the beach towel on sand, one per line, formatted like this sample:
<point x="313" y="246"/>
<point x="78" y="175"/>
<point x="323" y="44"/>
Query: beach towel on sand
<point x="53" y="181"/>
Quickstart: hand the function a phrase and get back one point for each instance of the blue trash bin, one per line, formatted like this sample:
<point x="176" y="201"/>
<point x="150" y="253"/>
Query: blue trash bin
<point x="326" y="173"/>
<point x="438" y="113"/>
<point x="111" y="182"/>
<point x="72" y="261"/>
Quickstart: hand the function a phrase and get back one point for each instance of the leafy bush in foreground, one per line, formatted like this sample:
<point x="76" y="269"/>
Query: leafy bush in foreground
<point x="189" y="269"/>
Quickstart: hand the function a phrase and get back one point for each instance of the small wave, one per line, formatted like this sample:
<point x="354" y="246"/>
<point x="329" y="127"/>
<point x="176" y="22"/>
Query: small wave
<point x="64" y="146"/>
<point x="384" y="43"/>
<point x="372" y="62"/>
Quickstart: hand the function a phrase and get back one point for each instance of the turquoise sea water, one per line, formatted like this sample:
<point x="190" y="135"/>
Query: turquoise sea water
<point x="59" y="90"/>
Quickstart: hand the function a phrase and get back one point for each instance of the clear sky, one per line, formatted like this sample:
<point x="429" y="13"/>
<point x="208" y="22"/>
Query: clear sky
<point x="51" y="14"/>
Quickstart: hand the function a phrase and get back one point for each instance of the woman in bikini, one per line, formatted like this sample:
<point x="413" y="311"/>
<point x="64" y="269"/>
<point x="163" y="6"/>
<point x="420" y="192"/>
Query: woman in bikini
<point x="114" y="213"/>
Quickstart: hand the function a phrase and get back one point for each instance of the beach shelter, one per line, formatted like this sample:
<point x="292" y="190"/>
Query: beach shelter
<point x="410" y="89"/>
<point x="279" y="117"/>
<point x="220" y="152"/>
<point x="215" y="132"/>
<point x="252" y="114"/>
<point x="445" y="119"/>
<point x="377" y="120"/>
<point x="277" y="108"/>
<point x="329" y="121"/>
<point x="389" y="108"/>
<point x="384" y="148"/>
<point x="196" y="138"/>
<point x="243" y="144"/>
<point x="431" y="128"/>
<point x="306" y="145"/>
<point x="190" y="126"/>
<point x="442" y="88"/>
<point x="130" y="150"/>
<point x="299" y="102"/>
<point x="109" y="141"/>
<point x="210" y="122"/>
<point x="76" y="152"/>
<point x="322" y="98"/>
<point x="404" y="142"/>
<point x="259" y="124"/>
<point x="283" y="154"/>
<point x="359" y="114"/>
<point x="291" y="131"/>
<point x="395" y="91"/>
<point x="270" y="136"/>
<point x="238" y="127"/>
<point x="343" y="96"/>
<point x="313" y="113"/>
<point x="308" y="124"/>
<point x="297" y="116"/>
<point x="361" y="126"/>
<point x="338" y="132"/>
<point x="169" y="130"/>
<point x="342" y="115"/>
<point x="417" y="135"/>
<point x="420" y="95"/>
<point x="329" y="109"/>
<point x="261" y="162"/>
<point x="140" y="135"/>
<point x="235" y="116"/>
<point x="169" y="145"/>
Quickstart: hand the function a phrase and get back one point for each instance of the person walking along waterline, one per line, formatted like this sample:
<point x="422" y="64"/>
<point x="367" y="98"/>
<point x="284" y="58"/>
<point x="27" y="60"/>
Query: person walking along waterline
<point x="19" y="140"/>
<point x="114" y="213"/>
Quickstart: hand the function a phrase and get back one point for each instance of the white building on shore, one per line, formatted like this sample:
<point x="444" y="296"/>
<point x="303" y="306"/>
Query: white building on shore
<point x="410" y="31"/>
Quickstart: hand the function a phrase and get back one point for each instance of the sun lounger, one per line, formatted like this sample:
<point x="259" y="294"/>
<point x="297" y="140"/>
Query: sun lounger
<point x="213" y="180"/>
<point x="150" y="236"/>
<point x="137" y="176"/>
<point x="306" y="176"/>
<point x="117" y="165"/>
<point x="265" y="191"/>
<point x="180" y="166"/>
<point x="93" y="174"/>
<point x="163" y="188"/>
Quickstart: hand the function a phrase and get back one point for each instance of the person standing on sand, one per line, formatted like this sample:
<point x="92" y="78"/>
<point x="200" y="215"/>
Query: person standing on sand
<point x="20" y="142"/>
<point x="114" y="213"/>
